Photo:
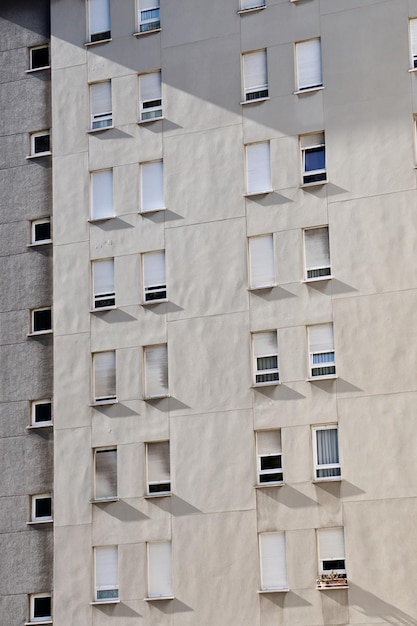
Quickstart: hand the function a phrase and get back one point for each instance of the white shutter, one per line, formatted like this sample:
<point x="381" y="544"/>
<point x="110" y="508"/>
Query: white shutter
<point x="273" y="561"/>
<point x="154" y="268"/>
<point x="160" y="570"/>
<point x="106" y="474"/>
<point x="103" y="277"/>
<point x="413" y="39"/>
<point x="312" y="141"/>
<point x="107" y="575"/>
<point x="331" y="544"/>
<point x="255" y="70"/>
<point x="265" y="344"/>
<point x="99" y="16"/>
<point x="268" y="442"/>
<point x="152" y="186"/>
<point x="317" y="248"/>
<point x="309" y="64"/>
<point x="156" y="366"/>
<point x="101" y="98"/>
<point x="105" y="375"/>
<point x="158" y="462"/>
<point x="102" y="194"/>
<point x="251" y="4"/>
<point x="320" y="338"/>
<point x="146" y="5"/>
<point x="258" y="168"/>
<point x="150" y="86"/>
<point x="261" y="254"/>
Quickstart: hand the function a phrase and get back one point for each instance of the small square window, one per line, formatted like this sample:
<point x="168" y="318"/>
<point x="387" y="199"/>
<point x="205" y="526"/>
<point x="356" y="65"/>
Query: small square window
<point x="40" y="607"/>
<point x="39" y="57"/>
<point x="41" y="413"/>
<point x="40" y="144"/>
<point x="41" y="321"/>
<point x="41" y="508"/>
<point x="41" y="231"/>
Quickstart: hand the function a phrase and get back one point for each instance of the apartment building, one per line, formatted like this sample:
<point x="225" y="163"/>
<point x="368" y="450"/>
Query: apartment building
<point x="26" y="482"/>
<point x="234" y="300"/>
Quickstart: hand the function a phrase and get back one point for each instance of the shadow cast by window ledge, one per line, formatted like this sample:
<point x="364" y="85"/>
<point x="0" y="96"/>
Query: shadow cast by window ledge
<point x="175" y="505"/>
<point x="289" y="497"/>
<point x="333" y="190"/>
<point x="165" y="405"/>
<point x="168" y="125"/>
<point x="170" y="606"/>
<point x="286" y="600"/>
<point x="269" y="199"/>
<point x="163" y="308"/>
<point x="339" y="288"/>
<point x="111" y="133"/>
<point x="115" y="410"/>
<point x="45" y="162"/>
<point x="349" y="490"/>
<point x="117" y="610"/>
<point x="113" y="223"/>
<point x="287" y="393"/>
<point x="122" y="511"/>
<point x="344" y="386"/>
<point x="374" y="607"/>
<point x="114" y="316"/>
<point x="273" y="294"/>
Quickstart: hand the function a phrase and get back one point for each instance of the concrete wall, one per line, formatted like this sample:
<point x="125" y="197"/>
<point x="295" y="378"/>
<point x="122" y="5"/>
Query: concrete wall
<point x="25" y="282"/>
<point x="215" y="513"/>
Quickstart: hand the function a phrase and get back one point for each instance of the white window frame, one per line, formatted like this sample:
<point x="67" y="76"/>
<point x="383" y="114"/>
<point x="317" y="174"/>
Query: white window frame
<point x="337" y="557"/>
<point x="156" y="488"/>
<point x="164" y="392"/>
<point x="101" y="120"/>
<point x="46" y="331"/>
<point x="253" y="5"/>
<point x="100" y="588"/>
<point x="153" y="293"/>
<point x="263" y="258"/>
<point x="325" y="364"/>
<point x="44" y="619"/>
<point x="265" y="372"/>
<point x="255" y="174"/>
<point x="153" y="22"/>
<point x="96" y="209"/>
<point x="99" y="36"/>
<point x="317" y="84"/>
<point x="41" y="67"/>
<point x="265" y="588"/>
<point x="109" y="398"/>
<point x="254" y="93"/>
<point x="272" y="471"/>
<point x="106" y="300"/>
<point x="33" y="137"/>
<point x="34" y="404"/>
<point x="412" y="30"/>
<point x="150" y="109"/>
<point x="158" y="202"/>
<point x="317" y="272"/>
<point x="320" y="174"/>
<point x="328" y="466"/>
<point x="42" y="518"/>
<point x="110" y="497"/>
<point x="38" y="222"/>
<point x="168" y="594"/>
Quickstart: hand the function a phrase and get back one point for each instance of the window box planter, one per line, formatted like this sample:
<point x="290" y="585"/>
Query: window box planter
<point x="326" y="581"/>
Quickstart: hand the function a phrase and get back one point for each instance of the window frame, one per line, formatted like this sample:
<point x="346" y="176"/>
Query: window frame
<point x="262" y="90"/>
<point x="98" y="37"/>
<point x="257" y="6"/>
<point x="33" y="154"/>
<point x="150" y="109"/>
<point x="43" y="423"/>
<point x="108" y="298"/>
<point x="299" y="89"/>
<point x="342" y="572"/>
<point x="320" y="173"/>
<point x="154" y="396"/>
<point x="100" y="218"/>
<point x="150" y="21"/>
<point x="113" y="497"/>
<point x="108" y="399"/>
<point x="270" y="263"/>
<point x="268" y="472"/>
<point x="45" y="619"/>
<point x="41" y="519"/>
<point x="104" y="116"/>
<point x="97" y="588"/>
<point x="320" y="277"/>
<point x="142" y="167"/>
<point x="41" y="67"/>
<point x="153" y="289"/>
<point x="252" y="190"/>
<point x="162" y="492"/>
<point x="311" y="365"/>
<point x="33" y="224"/>
<point x="263" y="587"/>
<point x="329" y="466"/>
<point x="151" y="596"/>
<point x="266" y="371"/>
<point x="33" y="331"/>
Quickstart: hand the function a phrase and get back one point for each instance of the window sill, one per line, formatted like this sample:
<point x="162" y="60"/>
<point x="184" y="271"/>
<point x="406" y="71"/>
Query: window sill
<point x="252" y="10"/>
<point x="150" y="496"/>
<point x="103" y="308"/>
<point x="104" y="402"/>
<point x="158" y="397"/>
<point x="39" y="155"/>
<point x="159" y="598"/>
<point x="152" y="211"/>
<point x="300" y="92"/>
<point x="412" y="69"/>
<point x="38" y="623"/>
<point x="317" y="183"/>
<point x="146" y="32"/>
<point x="93" y="131"/>
<point x="263" y="287"/>
<point x="41" y="333"/>
<point x="38" y="69"/>
<point x="104" y="500"/>
<point x="94" y="220"/>
<point x="100" y="602"/>
<point x="151" y="302"/>
<point x="319" y="279"/>
<point x="269" y="485"/>
<point x="149" y="121"/>
<point x="314" y="378"/>
<point x="273" y="383"/>
<point x="328" y="479"/>
<point x="331" y="587"/>
<point x="97" y="43"/>
<point x="255" y="100"/>
<point x="38" y="426"/>
<point x="37" y="244"/>
<point x="39" y="522"/>
<point x="273" y="590"/>
<point x="257" y="193"/>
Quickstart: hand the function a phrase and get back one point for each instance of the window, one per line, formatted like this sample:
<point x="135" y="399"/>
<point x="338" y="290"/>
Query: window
<point x="265" y="356"/>
<point x="246" y="5"/>
<point x="102" y="194"/>
<point x="158" y="468"/>
<point x="101" y="106"/>
<point x="154" y="281"/>
<point x="156" y="371"/>
<point x="258" y="168"/>
<point x="41" y="413"/>
<point x="413" y="42"/>
<point x="326" y="453"/>
<point x="106" y="574"/>
<point x="148" y="15"/>
<point x="99" y="20"/>
<point x="41" y="508"/>
<point x="160" y="570"/>
<point x="269" y="455"/>
<point x="261" y="262"/>
<point x="40" y="144"/>
<point x="255" y="76"/>
<point x="273" y="559"/>
<point x="39" y="57"/>
<point x="308" y="58"/>
<point x="41" y="321"/>
<point x="317" y="253"/>
<point x="105" y="464"/>
<point x="313" y="155"/>
<point x="103" y="284"/>
<point x="331" y="553"/>
<point x="40" y="607"/>
<point x="104" y="365"/>
<point x="41" y="231"/>
<point x="150" y="91"/>
<point x="152" y="186"/>
<point x="321" y="351"/>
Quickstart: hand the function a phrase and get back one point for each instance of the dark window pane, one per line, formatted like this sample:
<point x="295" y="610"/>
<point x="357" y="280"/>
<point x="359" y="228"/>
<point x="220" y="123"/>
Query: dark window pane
<point x="271" y="462"/>
<point x="43" y="412"/>
<point x="334" y="564"/>
<point x="315" y="159"/>
<point x="41" y="144"/>
<point x="43" y="507"/>
<point x="42" y="607"/>
<point x="42" y="320"/>
<point x="40" y="57"/>
<point x="42" y="231"/>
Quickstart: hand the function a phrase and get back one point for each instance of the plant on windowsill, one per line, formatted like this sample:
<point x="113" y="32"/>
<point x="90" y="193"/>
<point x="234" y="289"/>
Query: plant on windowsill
<point x="324" y="581"/>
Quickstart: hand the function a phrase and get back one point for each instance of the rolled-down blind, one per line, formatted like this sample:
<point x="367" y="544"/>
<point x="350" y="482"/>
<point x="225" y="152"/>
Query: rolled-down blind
<point x="413" y="37"/>
<point x="107" y="575"/>
<point x="156" y="363"/>
<point x="106" y="474"/>
<point x="309" y="64"/>
<point x="158" y="462"/>
<point x="320" y="338"/>
<point x="150" y="87"/>
<point x="273" y="561"/>
<point x="102" y="194"/>
<point x="105" y="375"/>
<point x="331" y="544"/>
<point x="261" y="254"/>
<point x="265" y="344"/>
<point x="160" y="569"/>
<point x="268" y="442"/>
<point x="258" y="167"/>
<point x="99" y="14"/>
<point x="146" y="5"/>
<point x="250" y="4"/>
<point x="317" y="247"/>
<point x="312" y="141"/>
<point x="154" y="268"/>
<point x="103" y="276"/>
<point x="101" y="98"/>
<point x="152" y="186"/>
<point x="255" y="70"/>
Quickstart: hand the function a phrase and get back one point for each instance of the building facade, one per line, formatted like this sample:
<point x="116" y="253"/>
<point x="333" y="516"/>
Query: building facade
<point x="234" y="219"/>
